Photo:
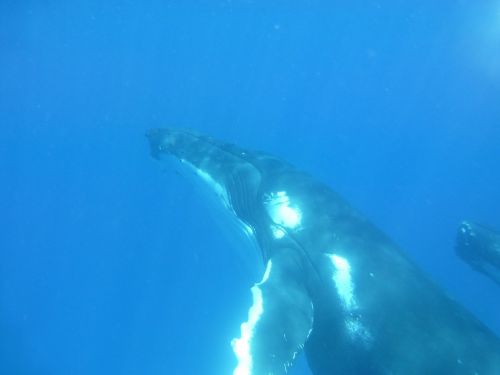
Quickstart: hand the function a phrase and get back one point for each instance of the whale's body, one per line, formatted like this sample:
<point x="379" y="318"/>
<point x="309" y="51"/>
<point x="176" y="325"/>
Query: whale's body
<point x="334" y="286"/>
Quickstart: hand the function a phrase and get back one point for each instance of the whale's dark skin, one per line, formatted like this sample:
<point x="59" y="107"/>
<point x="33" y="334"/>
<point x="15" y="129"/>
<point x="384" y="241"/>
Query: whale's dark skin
<point x="335" y="285"/>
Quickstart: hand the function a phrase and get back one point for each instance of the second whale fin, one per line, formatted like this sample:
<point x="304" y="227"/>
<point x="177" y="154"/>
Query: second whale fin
<point x="479" y="246"/>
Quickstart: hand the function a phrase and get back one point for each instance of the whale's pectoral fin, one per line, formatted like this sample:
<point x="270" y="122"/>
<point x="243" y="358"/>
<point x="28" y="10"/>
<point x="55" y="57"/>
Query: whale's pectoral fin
<point x="279" y="321"/>
<point x="479" y="246"/>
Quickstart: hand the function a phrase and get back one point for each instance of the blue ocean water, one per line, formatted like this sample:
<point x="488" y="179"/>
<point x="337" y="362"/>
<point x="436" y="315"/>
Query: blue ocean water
<point x="110" y="264"/>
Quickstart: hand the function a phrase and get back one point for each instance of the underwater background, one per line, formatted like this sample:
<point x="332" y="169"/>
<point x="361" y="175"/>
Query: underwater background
<point x="112" y="264"/>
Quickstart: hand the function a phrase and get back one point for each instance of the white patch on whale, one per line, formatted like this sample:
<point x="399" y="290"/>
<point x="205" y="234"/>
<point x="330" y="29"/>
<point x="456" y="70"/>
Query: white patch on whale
<point x="282" y="212"/>
<point x="241" y="346"/>
<point x="342" y="279"/>
<point x="217" y="188"/>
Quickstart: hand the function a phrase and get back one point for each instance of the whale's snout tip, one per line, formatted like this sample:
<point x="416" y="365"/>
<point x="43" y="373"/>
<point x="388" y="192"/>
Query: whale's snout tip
<point x="158" y="141"/>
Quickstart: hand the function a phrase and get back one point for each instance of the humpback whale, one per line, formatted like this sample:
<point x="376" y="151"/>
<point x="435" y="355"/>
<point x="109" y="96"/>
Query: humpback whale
<point x="479" y="246"/>
<point x="334" y="285"/>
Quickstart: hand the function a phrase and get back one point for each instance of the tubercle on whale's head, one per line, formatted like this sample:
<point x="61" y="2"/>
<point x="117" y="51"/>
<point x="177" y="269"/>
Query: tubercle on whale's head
<point x="170" y="141"/>
<point x="197" y="153"/>
<point x="161" y="141"/>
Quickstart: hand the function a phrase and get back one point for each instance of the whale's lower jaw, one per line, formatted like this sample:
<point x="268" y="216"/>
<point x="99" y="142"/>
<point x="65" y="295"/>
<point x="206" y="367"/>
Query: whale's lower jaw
<point x="333" y="284"/>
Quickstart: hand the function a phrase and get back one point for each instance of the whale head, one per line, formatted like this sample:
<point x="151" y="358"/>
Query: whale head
<point x="233" y="183"/>
<point x="248" y="184"/>
<point x="222" y="167"/>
